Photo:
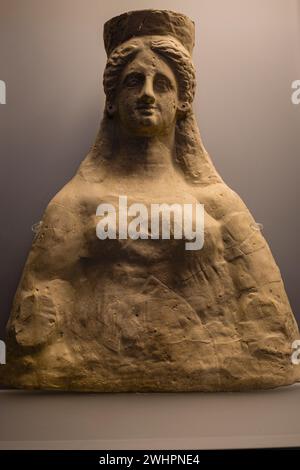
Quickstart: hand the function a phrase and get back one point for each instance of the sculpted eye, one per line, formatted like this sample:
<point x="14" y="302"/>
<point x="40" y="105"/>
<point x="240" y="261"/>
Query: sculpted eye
<point x="162" y="83"/>
<point x="133" y="79"/>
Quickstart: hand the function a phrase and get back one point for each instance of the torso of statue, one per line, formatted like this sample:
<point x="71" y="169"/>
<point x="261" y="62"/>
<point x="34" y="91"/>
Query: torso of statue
<point x="143" y="286"/>
<point x="148" y="255"/>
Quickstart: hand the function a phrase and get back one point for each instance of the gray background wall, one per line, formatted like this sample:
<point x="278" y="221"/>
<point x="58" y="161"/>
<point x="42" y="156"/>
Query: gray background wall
<point x="247" y="54"/>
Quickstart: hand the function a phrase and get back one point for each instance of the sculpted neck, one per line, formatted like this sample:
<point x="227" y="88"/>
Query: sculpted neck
<point x="145" y="155"/>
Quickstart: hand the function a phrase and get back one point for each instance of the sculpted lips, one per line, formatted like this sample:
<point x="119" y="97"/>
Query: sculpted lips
<point x="146" y="108"/>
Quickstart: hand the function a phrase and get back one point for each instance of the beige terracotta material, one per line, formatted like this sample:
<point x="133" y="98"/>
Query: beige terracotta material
<point x="149" y="315"/>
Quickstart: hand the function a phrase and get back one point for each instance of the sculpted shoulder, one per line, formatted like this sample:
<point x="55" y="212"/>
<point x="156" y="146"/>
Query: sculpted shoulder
<point x="60" y="239"/>
<point x="78" y="198"/>
<point x="240" y="233"/>
<point x="221" y="202"/>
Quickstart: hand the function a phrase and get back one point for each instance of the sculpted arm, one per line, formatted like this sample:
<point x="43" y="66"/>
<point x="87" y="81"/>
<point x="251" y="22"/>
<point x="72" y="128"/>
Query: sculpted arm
<point x="45" y="291"/>
<point x="264" y="309"/>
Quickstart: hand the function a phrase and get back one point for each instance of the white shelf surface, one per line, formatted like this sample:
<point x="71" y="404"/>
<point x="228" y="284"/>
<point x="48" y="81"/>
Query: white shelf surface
<point x="45" y="420"/>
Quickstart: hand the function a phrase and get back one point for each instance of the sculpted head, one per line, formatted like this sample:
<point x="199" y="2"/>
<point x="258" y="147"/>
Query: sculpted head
<point x="147" y="97"/>
<point x="149" y="84"/>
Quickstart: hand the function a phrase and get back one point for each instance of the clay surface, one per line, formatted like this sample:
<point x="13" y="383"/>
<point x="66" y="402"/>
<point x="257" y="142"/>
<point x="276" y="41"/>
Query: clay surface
<point x="148" y="314"/>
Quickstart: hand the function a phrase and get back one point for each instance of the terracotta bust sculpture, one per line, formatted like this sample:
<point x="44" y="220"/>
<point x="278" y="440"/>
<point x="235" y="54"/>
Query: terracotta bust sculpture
<point x="147" y="314"/>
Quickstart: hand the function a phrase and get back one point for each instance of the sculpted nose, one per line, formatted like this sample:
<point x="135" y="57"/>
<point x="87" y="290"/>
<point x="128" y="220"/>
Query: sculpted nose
<point x="147" y="93"/>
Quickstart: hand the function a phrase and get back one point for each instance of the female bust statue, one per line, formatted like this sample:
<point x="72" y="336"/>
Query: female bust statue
<point x="117" y="313"/>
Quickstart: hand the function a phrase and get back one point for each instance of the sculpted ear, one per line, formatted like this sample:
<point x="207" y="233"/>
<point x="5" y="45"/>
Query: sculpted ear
<point x="110" y="109"/>
<point x="183" y="107"/>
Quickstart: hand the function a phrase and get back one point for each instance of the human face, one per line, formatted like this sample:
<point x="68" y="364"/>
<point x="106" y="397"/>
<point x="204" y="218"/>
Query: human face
<point x="147" y="97"/>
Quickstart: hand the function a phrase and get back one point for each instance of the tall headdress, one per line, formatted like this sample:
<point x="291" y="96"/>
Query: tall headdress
<point x="148" y="23"/>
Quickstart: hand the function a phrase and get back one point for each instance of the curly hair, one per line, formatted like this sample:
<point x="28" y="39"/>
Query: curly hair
<point x="181" y="64"/>
<point x="177" y="58"/>
<point x="116" y="62"/>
